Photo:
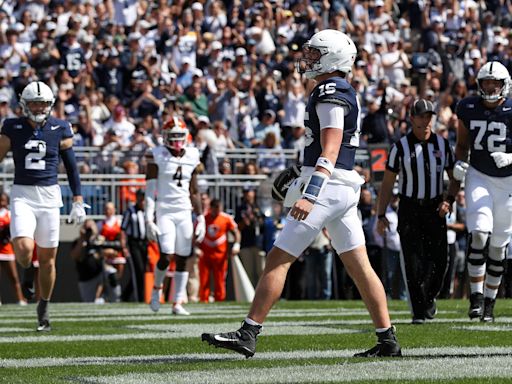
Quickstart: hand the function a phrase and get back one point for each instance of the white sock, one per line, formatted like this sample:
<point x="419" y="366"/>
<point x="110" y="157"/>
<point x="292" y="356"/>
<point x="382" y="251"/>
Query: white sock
<point x="159" y="276"/>
<point x="180" y="287"/>
<point x="477" y="287"/>
<point x="251" y="322"/>
<point x="381" y="330"/>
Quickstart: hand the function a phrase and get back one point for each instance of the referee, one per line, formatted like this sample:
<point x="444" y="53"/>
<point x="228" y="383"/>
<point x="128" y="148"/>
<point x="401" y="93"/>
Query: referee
<point x="135" y="247"/>
<point x="420" y="159"/>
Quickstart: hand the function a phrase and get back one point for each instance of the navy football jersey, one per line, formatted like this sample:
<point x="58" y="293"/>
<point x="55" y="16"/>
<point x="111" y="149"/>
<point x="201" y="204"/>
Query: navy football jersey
<point x="73" y="59"/>
<point x="335" y="90"/>
<point x="490" y="131"/>
<point x="36" y="152"/>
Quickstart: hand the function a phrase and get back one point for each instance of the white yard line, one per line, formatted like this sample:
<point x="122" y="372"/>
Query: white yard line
<point x="431" y="353"/>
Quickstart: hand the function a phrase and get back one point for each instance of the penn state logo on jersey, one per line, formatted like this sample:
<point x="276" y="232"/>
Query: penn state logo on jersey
<point x="36" y="151"/>
<point x="489" y="130"/>
<point x="338" y="91"/>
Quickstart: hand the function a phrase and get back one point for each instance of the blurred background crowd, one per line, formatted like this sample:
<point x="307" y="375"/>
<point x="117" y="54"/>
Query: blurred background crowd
<point x="121" y="68"/>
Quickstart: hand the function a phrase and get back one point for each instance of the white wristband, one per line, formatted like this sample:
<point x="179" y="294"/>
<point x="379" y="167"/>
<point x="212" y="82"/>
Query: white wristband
<point x="236" y="247"/>
<point x="316" y="184"/>
<point x="326" y="164"/>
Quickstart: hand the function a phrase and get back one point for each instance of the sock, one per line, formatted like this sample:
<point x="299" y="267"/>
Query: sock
<point x="251" y="322"/>
<point x="477" y="287"/>
<point x="159" y="276"/>
<point x="490" y="293"/>
<point x="381" y="330"/>
<point x="180" y="287"/>
<point x="42" y="310"/>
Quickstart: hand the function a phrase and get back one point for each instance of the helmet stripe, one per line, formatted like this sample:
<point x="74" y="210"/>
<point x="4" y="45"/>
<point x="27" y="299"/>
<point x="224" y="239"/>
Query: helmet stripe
<point x="38" y="89"/>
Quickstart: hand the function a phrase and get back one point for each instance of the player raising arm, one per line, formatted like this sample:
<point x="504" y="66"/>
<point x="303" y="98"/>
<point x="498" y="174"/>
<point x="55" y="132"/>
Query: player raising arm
<point x="38" y="141"/>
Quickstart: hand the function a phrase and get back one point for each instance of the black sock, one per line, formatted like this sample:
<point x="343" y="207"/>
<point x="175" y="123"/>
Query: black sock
<point x="42" y="310"/>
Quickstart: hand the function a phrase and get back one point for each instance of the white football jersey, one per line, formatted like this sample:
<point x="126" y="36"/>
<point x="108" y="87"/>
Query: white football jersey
<point x="174" y="175"/>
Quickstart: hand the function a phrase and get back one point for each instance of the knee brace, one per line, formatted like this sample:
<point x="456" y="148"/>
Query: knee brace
<point x="496" y="261"/>
<point x="163" y="263"/>
<point x="478" y="241"/>
<point x="181" y="263"/>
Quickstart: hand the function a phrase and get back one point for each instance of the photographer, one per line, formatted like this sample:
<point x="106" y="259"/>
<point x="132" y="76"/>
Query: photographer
<point x="89" y="252"/>
<point x="89" y="263"/>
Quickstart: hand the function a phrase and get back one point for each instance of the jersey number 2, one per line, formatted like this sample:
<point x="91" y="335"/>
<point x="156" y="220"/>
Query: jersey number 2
<point x="34" y="159"/>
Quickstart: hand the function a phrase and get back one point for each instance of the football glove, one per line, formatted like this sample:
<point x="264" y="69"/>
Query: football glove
<point x="77" y="214"/>
<point x="283" y="182"/>
<point x="200" y="231"/>
<point x="502" y="159"/>
<point x="152" y="231"/>
<point x="459" y="170"/>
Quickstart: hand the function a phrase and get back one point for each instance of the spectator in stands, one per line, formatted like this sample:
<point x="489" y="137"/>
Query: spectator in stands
<point x="268" y="124"/>
<point x="195" y="100"/>
<point x="86" y="251"/>
<point x="127" y="192"/>
<point x="270" y="155"/>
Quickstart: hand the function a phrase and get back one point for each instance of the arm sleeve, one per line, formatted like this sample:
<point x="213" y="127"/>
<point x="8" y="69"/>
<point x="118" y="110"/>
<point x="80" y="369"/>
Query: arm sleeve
<point x="68" y="157"/>
<point x="331" y="115"/>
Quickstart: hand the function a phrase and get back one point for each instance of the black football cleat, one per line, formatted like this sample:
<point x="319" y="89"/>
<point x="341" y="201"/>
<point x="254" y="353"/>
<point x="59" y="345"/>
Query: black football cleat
<point x="488" y="313"/>
<point x="387" y="346"/>
<point x="476" y="304"/>
<point x="431" y="310"/>
<point x="44" y="326"/>
<point x="242" y="341"/>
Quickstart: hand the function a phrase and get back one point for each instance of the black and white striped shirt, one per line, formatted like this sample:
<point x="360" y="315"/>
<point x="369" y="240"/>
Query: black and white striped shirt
<point x="420" y="165"/>
<point x="133" y="223"/>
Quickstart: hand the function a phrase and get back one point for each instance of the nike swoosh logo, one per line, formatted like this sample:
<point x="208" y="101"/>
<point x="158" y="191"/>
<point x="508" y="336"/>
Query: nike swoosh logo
<point x="220" y="338"/>
<point x="54" y="127"/>
<point x="506" y="109"/>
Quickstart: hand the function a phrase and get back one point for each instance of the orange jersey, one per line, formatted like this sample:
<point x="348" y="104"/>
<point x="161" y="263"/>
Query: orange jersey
<point x="215" y="243"/>
<point x="111" y="229"/>
<point x="5" y="220"/>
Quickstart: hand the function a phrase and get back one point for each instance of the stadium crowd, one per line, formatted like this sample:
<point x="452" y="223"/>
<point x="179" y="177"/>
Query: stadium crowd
<point x="121" y="68"/>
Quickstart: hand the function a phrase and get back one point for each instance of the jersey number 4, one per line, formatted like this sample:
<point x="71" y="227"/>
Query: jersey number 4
<point x="495" y="141"/>
<point x="178" y="176"/>
<point x="34" y="159"/>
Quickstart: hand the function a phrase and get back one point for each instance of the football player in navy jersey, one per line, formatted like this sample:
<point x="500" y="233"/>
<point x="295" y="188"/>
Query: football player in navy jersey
<point x="326" y="194"/>
<point x="485" y="123"/>
<point x="37" y="142"/>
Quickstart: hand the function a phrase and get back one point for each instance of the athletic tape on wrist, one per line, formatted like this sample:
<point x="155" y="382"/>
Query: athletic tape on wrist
<point x="325" y="163"/>
<point x="316" y="184"/>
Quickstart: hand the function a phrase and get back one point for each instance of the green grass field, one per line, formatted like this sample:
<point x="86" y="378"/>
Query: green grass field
<point x="302" y="342"/>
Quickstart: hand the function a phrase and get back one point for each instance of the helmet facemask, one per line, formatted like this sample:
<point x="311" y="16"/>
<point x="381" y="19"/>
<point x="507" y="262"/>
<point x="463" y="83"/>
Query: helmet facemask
<point x="498" y="73"/>
<point x="496" y="92"/>
<point x="37" y="101"/>
<point x="175" y="134"/>
<point x="309" y="63"/>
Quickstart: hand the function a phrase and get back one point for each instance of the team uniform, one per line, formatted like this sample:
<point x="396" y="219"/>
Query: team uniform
<point x="215" y="255"/>
<point x="336" y="208"/>
<point x="35" y="195"/>
<point x="110" y="229"/>
<point x="173" y="205"/>
<point x="6" y="250"/>
<point x="488" y="198"/>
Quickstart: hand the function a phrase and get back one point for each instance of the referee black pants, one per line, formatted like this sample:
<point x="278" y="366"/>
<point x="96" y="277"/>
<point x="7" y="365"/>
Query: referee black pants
<point x="139" y="259"/>
<point x="425" y="250"/>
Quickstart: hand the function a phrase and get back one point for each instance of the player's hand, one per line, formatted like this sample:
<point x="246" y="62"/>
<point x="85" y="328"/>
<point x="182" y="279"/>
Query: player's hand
<point x="459" y="170"/>
<point x="152" y="231"/>
<point x="382" y="225"/>
<point x="200" y="231"/>
<point x="502" y="159"/>
<point x="77" y="214"/>
<point x="301" y="209"/>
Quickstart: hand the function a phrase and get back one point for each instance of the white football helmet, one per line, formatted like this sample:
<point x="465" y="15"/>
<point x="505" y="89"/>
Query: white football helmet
<point x="37" y="101"/>
<point x="327" y="51"/>
<point x="493" y="70"/>
<point x="175" y="133"/>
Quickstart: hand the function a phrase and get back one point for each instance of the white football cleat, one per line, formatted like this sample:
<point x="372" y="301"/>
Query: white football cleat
<point x="179" y="310"/>
<point x="155" y="299"/>
<point x="22" y="303"/>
